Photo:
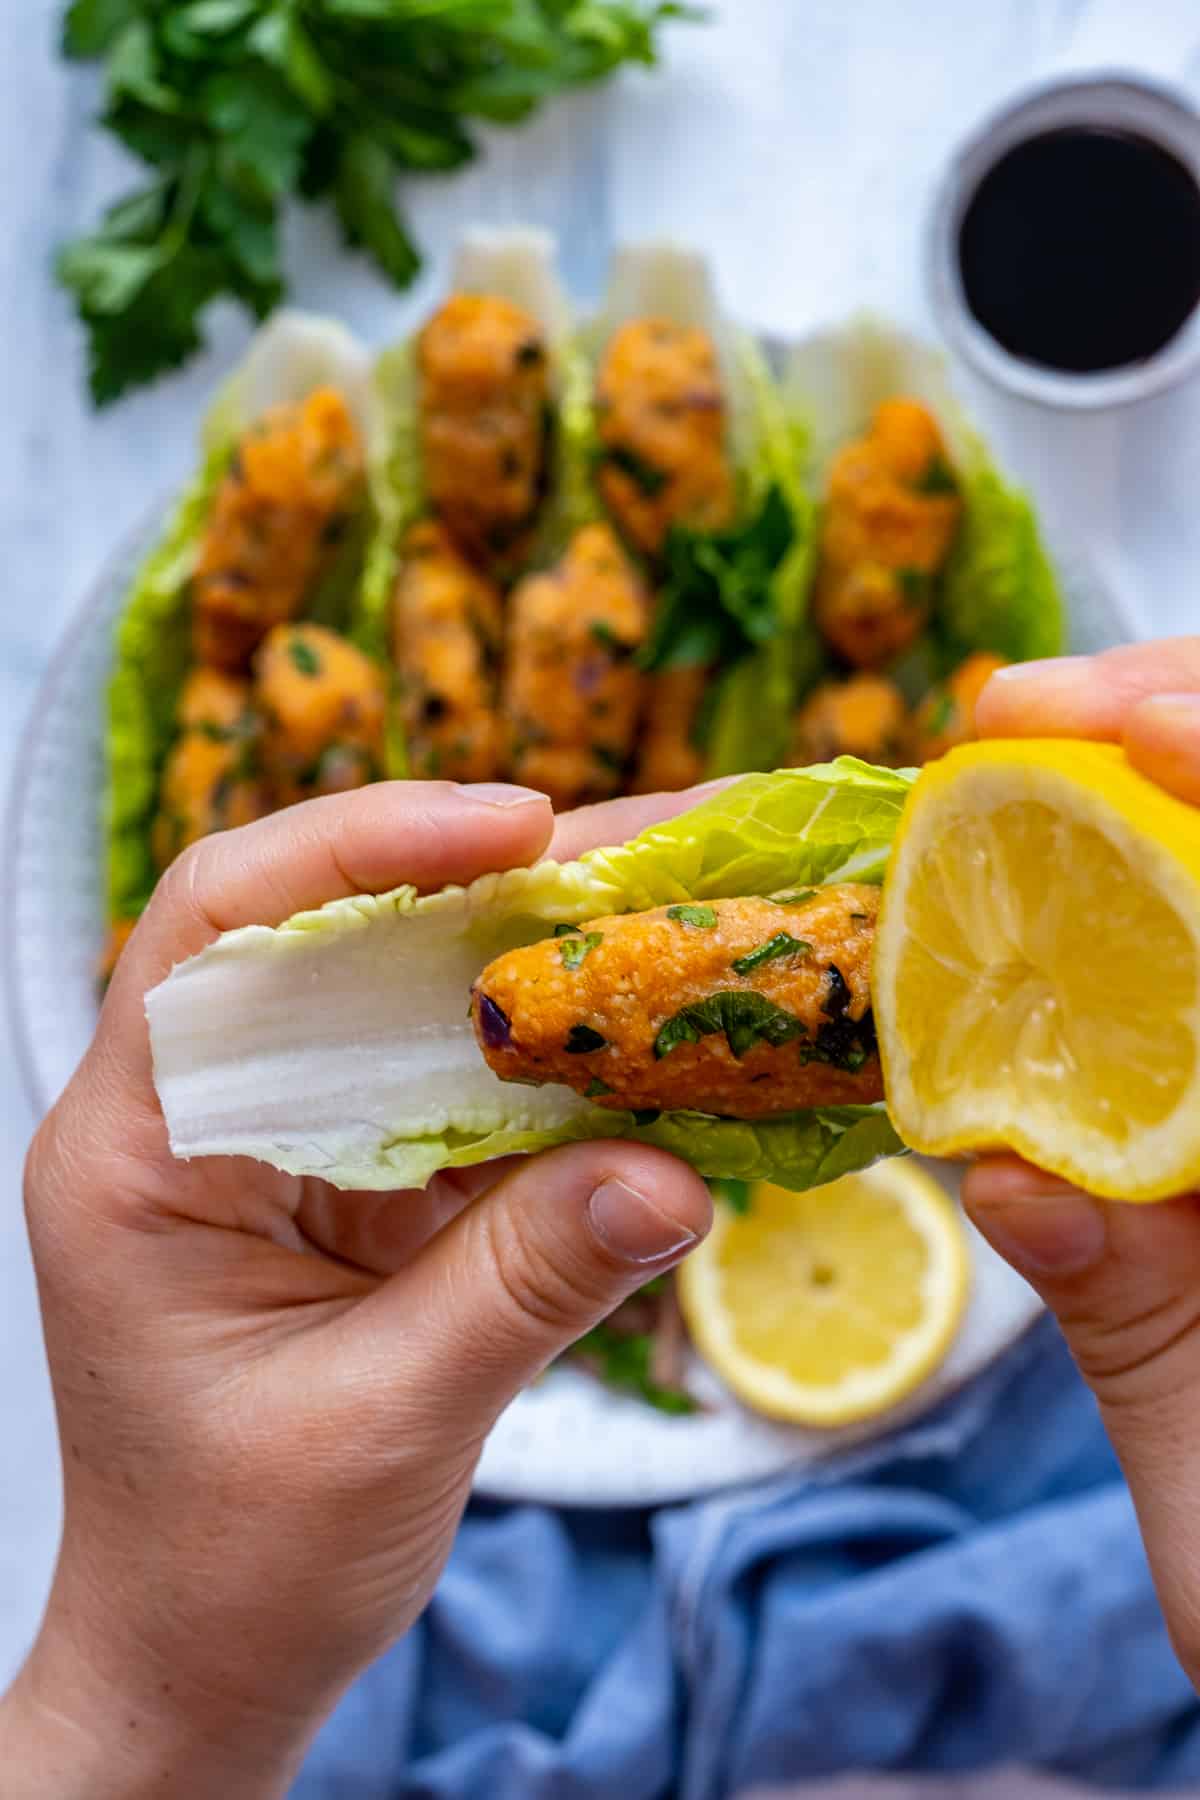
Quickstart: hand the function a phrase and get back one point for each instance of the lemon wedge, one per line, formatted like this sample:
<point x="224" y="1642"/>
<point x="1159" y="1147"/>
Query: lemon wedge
<point x="1037" y="966"/>
<point x="830" y="1306"/>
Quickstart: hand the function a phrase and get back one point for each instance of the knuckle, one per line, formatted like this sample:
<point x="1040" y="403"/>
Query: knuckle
<point x="1129" y="1359"/>
<point x="553" y="1291"/>
<point x="179" y="884"/>
<point x="39" y="1163"/>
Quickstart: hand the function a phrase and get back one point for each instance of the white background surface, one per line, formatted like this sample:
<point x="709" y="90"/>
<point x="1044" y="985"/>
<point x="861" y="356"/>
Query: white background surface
<point x="795" y="139"/>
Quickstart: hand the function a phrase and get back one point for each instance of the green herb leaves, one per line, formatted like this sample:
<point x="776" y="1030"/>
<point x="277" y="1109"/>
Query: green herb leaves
<point x="746" y="1019"/>
<point x="916" y="585"/>
<point x="700" y="918"/>
<point x="364" y="194"/>
<point x="735" y="1194"/>
<point x="782" y="944"/>
<point x="716" y="602"/>
<point x="937" y="477"/>
<point x="941" y="714"/>
<point x="572" y="950"/>
<point x="624" y="1361"/>
<point x="648" y="480"/>
<point x="303" y="656"/>
<point x="237" y="105"/>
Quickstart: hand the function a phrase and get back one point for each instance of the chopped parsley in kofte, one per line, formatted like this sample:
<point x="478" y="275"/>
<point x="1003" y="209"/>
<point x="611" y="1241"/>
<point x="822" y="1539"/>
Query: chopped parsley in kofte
<point x="710" y="1006"/>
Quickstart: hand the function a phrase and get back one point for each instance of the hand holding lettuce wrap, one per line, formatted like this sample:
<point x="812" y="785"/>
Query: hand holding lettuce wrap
<point x="297" y="1381"/>
<point x="381" y="1081"/>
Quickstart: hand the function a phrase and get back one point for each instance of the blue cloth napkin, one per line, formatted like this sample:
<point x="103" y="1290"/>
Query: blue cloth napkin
<point x="970" y="1591"/>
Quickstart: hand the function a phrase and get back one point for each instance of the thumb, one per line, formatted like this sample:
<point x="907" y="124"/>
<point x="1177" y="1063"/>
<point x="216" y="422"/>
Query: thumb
<point x="537" y="1261"/>
<point x="1124" y="1283"/>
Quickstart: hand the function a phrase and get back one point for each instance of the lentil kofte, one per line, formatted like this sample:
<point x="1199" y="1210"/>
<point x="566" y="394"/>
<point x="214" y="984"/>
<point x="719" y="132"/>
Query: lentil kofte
<point x="661" y="421"/>
<point x="946" y="716"/>
<point x="572" y="689"/>
<point x="447" y="632"/>
<point x="865" y="716"/>
<point x="323" y="706"/>
<point x="668" y="757"/>
<point x="277" y="520"/>
<point x="211" y="779"/>
<point x="664" y="461"/>
<point x="744" y="1008"/>
<point x="891" y="515"/>
<point x="485" y="409"/>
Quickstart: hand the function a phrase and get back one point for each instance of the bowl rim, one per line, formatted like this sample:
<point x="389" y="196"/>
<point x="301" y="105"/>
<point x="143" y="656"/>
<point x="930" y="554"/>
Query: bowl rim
<point x="1121" y="98"/>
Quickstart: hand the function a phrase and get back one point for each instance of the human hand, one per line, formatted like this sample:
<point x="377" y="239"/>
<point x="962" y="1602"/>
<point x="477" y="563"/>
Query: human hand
<point x="271" y="1396"/>
<point x="1123" y="1281"/>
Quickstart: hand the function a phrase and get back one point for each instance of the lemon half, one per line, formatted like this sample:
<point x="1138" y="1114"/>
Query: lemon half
<point x="1037" y="966"/>
<point x="829" y="1306"/>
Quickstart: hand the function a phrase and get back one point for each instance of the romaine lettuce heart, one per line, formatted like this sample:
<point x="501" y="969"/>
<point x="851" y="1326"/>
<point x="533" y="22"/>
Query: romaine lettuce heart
<point x="339" y="1043"/>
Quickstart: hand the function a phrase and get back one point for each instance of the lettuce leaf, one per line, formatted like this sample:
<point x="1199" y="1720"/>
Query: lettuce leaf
<point x="999" y="590"/>
<point x="151" y="656"/>
<point x="287" y="359"/>
<point x="373" y="1078"/>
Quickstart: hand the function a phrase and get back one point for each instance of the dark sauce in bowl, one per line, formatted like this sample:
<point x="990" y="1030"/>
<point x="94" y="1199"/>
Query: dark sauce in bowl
<point x="1080" y="249"/>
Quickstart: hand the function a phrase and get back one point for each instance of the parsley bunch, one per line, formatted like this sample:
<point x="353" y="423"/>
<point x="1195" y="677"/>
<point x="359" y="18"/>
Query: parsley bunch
<point x="236" y="105"/>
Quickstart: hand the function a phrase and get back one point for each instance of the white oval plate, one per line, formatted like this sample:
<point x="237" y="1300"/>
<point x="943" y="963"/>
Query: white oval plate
<point x="567" y="1441"/>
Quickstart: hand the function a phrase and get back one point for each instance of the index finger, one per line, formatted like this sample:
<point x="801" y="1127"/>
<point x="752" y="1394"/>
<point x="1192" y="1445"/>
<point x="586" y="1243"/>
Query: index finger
<point x="1086" y="696"/>
<point x="616" y="821"/>
<point x="426" y="833"/>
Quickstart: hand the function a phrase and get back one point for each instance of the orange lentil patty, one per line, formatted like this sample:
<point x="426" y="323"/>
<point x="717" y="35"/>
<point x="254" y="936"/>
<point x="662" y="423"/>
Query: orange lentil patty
<point x="277" y="521"/>
<point x="744" y="1008"/>
<point x="661" y="420"/>
<point x="447" y="631"/>
<point x="323" y="707"/>
<point x="485" y="391"/>
<point x="668" y="757"/>
<point x="890" y="520"/>
<point x="572" y="688"/>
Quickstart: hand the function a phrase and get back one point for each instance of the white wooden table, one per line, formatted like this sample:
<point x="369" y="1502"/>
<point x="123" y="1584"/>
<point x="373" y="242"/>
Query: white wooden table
<point x="795" y="139"/>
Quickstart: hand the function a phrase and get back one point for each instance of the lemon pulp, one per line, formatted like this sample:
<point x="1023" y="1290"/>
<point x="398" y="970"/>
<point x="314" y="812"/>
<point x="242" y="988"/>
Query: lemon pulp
<point x="1037" y="974"/>
<point x="828" y="1306"/>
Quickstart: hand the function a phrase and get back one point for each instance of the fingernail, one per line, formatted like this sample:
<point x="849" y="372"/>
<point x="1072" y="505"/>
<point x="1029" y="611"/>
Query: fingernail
<point x="1021" y="671"/>
<point x="632" y="1227"/>
<point x="1057" y="1234"/>
<point x="502" y="793"/>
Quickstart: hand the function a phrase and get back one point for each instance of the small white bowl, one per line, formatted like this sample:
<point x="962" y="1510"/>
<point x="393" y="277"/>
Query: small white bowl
<point x="1119" y="101"/>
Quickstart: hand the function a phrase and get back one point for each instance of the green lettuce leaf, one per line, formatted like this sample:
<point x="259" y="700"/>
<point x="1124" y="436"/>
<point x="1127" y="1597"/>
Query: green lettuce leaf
<point x="380" y="1083"/>
<point x="999" y="590"/>
<point x="151" y="656"/>
<point x="288" y="358"/>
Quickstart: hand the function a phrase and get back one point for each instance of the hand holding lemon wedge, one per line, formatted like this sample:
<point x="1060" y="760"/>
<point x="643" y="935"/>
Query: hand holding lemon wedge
<point x="1037" y="966"/>
<point x="1037" y="987"/>
<point x="1123" y="1281"/>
